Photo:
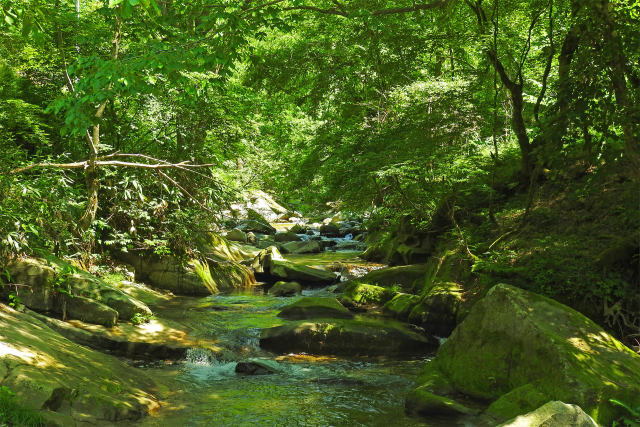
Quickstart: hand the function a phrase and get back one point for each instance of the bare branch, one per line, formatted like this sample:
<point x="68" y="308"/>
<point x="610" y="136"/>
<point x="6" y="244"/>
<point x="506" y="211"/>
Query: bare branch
<point x="185" y="165"/>
<point x="75" y="165"/>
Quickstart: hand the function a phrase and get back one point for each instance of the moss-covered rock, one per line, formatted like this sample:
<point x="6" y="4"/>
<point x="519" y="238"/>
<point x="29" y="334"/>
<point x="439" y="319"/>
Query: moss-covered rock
<point x="314" y="308"/>
<point x="67" y="382"/>
<point x="359" y="293"/>
<point x="231" y="275"/>
<point x="437" y="311"/>
<point x="514" y="342"/>
<point x="308" y="247"/>
<point x="264" y="258"/>
<point x="285" y="289"/>
<point x="401" y="305"/>
<point x="346" y="337"/>
<point x="553" y="414"/>
<point x="53" y="285"/>
<point x="404" y="276"/>
<point x="330" y="230"/>
<point x="301" y="273"/>
<point x="236" y="235"/>
<point x="287" y="236"/>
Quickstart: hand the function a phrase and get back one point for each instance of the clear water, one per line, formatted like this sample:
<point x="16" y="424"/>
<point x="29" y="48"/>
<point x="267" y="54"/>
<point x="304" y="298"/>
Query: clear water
<point x="204" y="390"/>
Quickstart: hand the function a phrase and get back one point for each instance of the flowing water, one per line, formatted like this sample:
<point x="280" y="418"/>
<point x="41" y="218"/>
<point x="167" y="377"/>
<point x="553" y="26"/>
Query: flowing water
<point x="305" y="390"/>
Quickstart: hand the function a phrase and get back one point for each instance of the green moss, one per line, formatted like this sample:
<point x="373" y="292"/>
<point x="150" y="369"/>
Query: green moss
<point x="360" y="293"/>
<point x="13" y="413"/>
<point x="401" y="305"/>
<point x="518" y="401"/>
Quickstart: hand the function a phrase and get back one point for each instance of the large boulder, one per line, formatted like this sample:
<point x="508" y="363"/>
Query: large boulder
<point x="437" y="311"/>
<point x="314" y="308"/>
<point x="220" y="249"/>
<point x="285" y="270"/>
<point x="237" y="235"/>
<point x="262" y="261"/>
<point x="69" y="383"/>
<point x="308" y="247"/>
<point x="231" y="275"/>
<point x="346" y="337"/>
<point x="553" y="414"/>
<point x="264" y="205"/>
<point x="404" y="276"/>
<point x="287" y="236"/>
<point x="519" y="350"/>
<point x="55" y="286"/>
<point x="330" y="230"/>
<point x="251" y="225"/>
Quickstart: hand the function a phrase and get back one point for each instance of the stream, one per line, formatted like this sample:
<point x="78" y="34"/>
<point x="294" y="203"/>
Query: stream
<point x="204" y="389"/>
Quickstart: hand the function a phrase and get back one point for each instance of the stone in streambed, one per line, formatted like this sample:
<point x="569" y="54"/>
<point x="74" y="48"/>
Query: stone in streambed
<point x="361" y="293"/>
<point x="285" y="289"/>
<point x="254" y="367"/>
<point x="346" y="337"/>
<point x="308" y="247"/>
<point x="315" y="307"/>
<point x="287" y="236"/>
<point x="401" y="306"/>
<point x="520" y="350"/>
<point x="553" y="414"/>
<point x="403" y="276"/>
<point x="301" y="273"/>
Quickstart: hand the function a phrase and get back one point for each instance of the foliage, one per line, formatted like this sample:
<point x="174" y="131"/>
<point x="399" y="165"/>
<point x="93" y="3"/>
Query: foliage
<point x="632" y="420"/>
<point x="13" y="413"/>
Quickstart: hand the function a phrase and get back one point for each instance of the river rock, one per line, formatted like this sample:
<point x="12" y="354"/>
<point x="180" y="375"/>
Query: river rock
<point x="287" y="236"/>
<point x="264" y="205"/>
<point x="330" y="230"/>
<point x="345" y="337"/>
<point x="237" y="235"/>
<point x="308" y="247"/>
<point x="299" y="229"/>
<point x="404" y="276"/>
<point x="285" y="289"/>
<point x="401" y="305"/>
<point x="520" y="350"/>
<point x="360" y="293"/>
<point x="553" y="414"/>
<point x="315" y="307"/>
<point x="59" y="288"/>
<point x="262" y="261"/>
<point x="301" y="273"/>
<point x="254" y="226"/>
<point x="70" y="384"/>
<point x="230" y="275"/>
<point x="438" y="310"/>
<point x="254" y="367"/>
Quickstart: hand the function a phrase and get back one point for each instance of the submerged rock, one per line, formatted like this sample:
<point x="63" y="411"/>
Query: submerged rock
<point x="346" y="337"/>
<point x="285" y="289"/>
<point x="254" y="367"/>
<point x="315" y="307"/>
<point x="520" y="350"/>
<point x="553" y="414"/>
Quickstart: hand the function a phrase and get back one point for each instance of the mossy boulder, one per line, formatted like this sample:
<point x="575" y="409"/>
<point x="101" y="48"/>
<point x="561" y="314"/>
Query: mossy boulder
<point x="314" y="308"/>
<point x="330" y="230"/>
<point x="299" y="229"/>
<point x="231" y="275"/>
<point x="346" y="337"/>
<point x="404" y="276"/>
<point x="360" y="293"/>
<point x="437" y="311"/>
<point x="287" y="236"/>
<point x="289" y="271"/>
<point x="400" y="306"/>
<point x="55" y="286"/>
<point x="514" y="342"/>
<point x="68" y="383"/>
<point x="553" y="414"/>
<point x="308" y="247"/>
<point x="285" y="289"/>
<point x="262" y="261"/>
<point x="220" y="249"/>
<point x="236" y="235"/>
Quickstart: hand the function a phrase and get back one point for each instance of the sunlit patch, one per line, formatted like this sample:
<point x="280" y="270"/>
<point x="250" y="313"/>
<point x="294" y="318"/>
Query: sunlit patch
<point x="151" y="327"/>
<point x="7" y="350"/>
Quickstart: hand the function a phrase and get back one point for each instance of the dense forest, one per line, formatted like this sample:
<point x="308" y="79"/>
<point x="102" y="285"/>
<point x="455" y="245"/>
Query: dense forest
<point x="275" y="212"/>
